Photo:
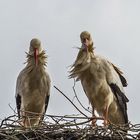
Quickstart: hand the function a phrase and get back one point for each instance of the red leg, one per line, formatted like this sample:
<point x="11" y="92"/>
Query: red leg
<point x="24" y="120"/>
<point x="106" y="116"/>
<point x="94" y="121"/>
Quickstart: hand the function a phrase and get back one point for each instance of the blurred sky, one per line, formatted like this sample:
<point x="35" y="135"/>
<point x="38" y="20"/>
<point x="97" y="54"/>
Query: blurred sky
<point x="113" y="24"/>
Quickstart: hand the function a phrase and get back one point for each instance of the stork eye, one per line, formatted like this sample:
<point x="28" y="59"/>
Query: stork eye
<point x="84" y="39"/>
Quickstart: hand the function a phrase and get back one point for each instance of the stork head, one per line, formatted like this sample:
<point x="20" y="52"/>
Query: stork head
<point x="86" y="40"/>
<point x="35" y="49"/>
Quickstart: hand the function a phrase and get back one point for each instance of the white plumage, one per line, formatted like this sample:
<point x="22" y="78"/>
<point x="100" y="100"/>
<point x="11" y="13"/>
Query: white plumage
<point x="102" y="82"/>
<point x="33" y="87"/>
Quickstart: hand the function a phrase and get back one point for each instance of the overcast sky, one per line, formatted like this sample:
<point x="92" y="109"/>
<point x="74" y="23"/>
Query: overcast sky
<point x="113" y="24"/>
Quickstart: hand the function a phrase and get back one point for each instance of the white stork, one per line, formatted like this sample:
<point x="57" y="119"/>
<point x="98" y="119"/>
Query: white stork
<point x="102" y="82"/>
<point x="33" y="87"/>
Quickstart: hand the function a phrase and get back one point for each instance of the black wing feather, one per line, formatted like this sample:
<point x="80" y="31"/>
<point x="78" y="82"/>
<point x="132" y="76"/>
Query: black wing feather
<point x="46" y="102"/>
<point x="18" y="104"/>
<point x="46" y="105"/>
<point x="122" y="78"/>
<point x="122" y="100"/>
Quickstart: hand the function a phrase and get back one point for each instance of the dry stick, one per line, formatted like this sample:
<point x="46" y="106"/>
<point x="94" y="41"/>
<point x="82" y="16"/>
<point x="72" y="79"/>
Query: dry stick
<point x="69" y="117"/>
<point x="78" y="98"/>
<point x="55" y="120"/>
<point x="12" y="109"/>
<point x="8" y="136"/>
<point x="2" y="122"/>
<point x="74" y="117"/>
<point x="70" y="101"/>
<point x="73" y="124"/>
<point x="104" y="132"/>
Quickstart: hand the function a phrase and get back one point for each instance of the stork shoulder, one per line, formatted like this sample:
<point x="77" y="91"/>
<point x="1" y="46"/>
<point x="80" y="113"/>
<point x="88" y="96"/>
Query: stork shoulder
<point x="19" y="82"/>
<point x="116" y="71"/>
<point x="112" y="73"/>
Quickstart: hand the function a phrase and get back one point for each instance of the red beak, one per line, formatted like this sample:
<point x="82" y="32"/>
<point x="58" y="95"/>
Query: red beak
<point x="36" y="56"/>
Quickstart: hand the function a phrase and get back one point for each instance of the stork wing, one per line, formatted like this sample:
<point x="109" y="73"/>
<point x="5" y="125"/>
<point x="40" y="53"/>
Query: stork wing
<point x="18" y="93"/>
<point x="121" y="99"/>
<point x="46" y="102"/>
<point x="116" y="82"/>
<point x="123" y="80"/>
<point x="18" y="104"/>
<point x="47" y="86"/>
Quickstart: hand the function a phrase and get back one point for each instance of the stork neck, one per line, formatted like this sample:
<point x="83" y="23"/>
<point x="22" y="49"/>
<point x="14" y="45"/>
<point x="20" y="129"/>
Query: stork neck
<point x="41" y="61"/>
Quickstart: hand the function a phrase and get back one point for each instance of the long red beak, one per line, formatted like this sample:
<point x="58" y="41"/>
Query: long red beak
<point x="36" y="56"/>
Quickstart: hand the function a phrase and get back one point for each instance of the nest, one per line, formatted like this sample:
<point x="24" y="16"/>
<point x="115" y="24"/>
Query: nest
<point x="66" y="127"/>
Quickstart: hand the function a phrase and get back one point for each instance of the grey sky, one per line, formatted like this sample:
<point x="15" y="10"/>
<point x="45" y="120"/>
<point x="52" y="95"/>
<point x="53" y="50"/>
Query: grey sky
<point x="115" y="28"/>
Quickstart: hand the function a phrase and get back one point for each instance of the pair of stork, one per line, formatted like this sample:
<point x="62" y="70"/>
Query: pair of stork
<point x="101" y="80"/>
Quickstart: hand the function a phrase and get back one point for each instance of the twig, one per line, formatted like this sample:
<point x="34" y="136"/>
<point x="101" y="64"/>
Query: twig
<point x="68" y="127"/>
<point x="70" y="101"/>
<point x="69" y="117"/>
<point x="12" y="109"/>
<point x="78" y="98"/>
<point x="4" y="120"/>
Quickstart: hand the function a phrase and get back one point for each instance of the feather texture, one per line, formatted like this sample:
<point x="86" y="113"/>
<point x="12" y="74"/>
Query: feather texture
<point x="103" y="84"/>
<point x="33" y="90"/>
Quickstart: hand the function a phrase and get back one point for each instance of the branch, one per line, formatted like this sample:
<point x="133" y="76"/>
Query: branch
<point x="78" y="98"/>
<point x="70" y="101"/>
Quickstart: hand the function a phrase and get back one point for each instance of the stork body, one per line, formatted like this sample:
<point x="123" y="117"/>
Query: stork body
<point x="33" y="87"/>
<point x="102" y="82"/>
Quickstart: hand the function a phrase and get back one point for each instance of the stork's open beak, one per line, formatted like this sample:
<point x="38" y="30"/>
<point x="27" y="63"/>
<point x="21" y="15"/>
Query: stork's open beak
<point x="85" y="44"/>
<point x="36" y="56"/>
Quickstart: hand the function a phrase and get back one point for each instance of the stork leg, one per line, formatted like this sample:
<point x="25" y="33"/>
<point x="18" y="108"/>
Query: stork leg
<point x="94" y="118"/>
<point x="24" y="120"/>
<point x="105" y="116"/>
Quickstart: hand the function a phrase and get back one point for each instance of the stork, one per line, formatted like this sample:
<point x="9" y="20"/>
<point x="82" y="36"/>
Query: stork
<point x="102" y="83"/>
<point x="33" y="87"/>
